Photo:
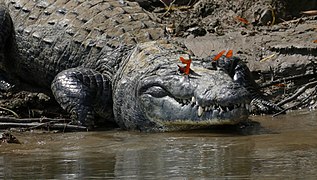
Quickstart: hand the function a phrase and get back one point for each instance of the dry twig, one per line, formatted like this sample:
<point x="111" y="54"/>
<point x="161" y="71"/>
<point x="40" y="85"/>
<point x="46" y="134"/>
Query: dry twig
<point x="39" y="123"/>
<point x="310" y="12"/>
<point x="296" y="105"/>
<point x="299" y="92"/>
<point x="167" y="6"/>
<point x="281" y="80"/>
<point x="9" y="110"/>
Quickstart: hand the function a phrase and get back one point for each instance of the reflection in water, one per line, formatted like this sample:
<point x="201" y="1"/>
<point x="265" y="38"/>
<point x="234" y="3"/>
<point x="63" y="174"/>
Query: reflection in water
<point x="285" y="146"/>
<point x="186" y="157"/>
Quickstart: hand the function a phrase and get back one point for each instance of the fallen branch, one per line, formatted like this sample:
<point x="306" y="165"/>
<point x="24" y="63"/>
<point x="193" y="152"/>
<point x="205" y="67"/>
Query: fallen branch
<point x="39" y="123"/>
<point x="281" y="80"/>
<point x="167" y="6"/>
<point x="297" y="21"/>
<point x="299" y="92"/>
<point x="30" y="120"/>
<point x="310" y="12"/>
<point x="9" y="110"/>
<point x="49" y="126"/>
<point x="296" y="105"/>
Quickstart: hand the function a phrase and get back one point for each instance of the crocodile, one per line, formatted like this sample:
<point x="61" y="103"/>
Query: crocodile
<point x="112" y="60"/>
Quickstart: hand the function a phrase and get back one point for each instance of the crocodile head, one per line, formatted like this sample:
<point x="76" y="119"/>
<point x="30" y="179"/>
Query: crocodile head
<point x="151" y="94"/>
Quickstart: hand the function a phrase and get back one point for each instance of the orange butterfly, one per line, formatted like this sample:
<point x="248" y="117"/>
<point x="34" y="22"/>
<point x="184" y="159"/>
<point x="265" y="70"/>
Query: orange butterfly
<point x="219" y="55"/>
<point x="185" y="69"/>
<point x="228" y="55"/>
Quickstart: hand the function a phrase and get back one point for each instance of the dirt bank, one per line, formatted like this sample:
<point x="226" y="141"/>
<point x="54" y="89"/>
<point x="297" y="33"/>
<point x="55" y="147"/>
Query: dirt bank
<point x="277" y="40"/>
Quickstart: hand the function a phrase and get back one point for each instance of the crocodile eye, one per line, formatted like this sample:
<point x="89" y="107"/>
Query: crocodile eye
<point x="156" y="91"/>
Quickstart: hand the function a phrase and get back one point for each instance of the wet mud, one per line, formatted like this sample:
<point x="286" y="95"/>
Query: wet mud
<point x="277" y="39"/>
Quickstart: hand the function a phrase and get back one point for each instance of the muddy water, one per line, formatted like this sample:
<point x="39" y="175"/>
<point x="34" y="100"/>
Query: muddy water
<point x="283" y="147"/>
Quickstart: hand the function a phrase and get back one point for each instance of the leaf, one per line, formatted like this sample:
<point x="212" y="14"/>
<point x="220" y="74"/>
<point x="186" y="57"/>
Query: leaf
<point x="242" y="20"/>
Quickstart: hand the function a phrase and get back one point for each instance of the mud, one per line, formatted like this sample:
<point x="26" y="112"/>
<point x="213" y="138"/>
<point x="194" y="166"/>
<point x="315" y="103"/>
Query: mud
<point x="276" y="39"/>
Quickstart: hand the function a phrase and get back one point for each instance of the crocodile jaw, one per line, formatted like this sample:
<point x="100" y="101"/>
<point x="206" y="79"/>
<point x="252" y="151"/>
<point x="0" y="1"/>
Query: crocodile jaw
<point x="150" y="94"/>
<point x="177" y="102"/>
<point x="174" y="114"/>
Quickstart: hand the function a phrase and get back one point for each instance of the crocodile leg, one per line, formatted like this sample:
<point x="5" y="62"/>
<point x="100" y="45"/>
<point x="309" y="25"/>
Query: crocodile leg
<point x="3" y="32"/>
<point x="84" y="93"/>
<point x="241" y="74"/>
<point x="259" y="104"/>
<point x="6" y="36"/>
<point x="6" y="44"/>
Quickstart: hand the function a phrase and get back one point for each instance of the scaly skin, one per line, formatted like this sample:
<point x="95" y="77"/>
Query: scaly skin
<point x="149" y="86"/>
<point x="86" y="52"/>
<point x="240" y="73"/>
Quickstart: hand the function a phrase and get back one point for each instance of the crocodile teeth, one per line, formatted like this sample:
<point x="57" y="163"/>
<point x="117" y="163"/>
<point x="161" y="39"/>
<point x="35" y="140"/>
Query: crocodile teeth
<point x="221" y="109"/>
<point x="218" y="108"/>
<point x="184" y="101"/>
<point x="235" y="77"/>
<point x="200" y="111"/>
<point x="193" y="100"/>
<point x="247" y="106"/>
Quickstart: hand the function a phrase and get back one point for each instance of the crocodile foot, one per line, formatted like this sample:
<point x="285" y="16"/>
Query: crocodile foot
<point x="84" y="93"/>
<point x="262" y="106"/>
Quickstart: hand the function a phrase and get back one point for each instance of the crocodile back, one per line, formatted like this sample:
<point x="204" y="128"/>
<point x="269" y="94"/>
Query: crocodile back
<point x="53" y="35"/>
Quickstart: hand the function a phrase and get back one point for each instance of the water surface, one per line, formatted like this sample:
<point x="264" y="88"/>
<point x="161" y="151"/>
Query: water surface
<point x="285" y="146"/>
